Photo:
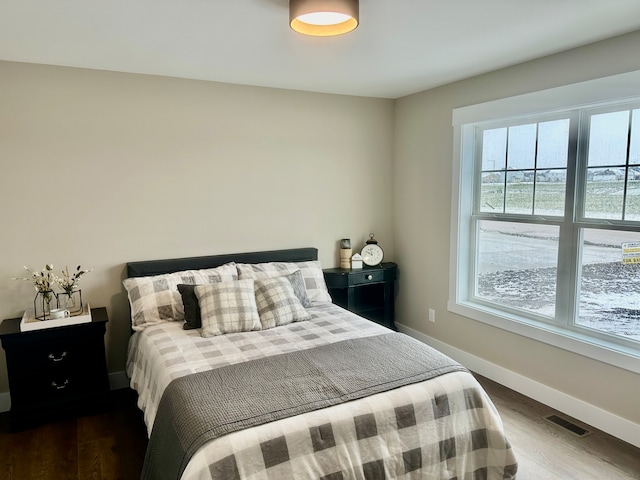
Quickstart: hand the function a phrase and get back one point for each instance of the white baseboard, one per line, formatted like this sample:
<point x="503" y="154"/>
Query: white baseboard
<point x="117" y="380"/>
<point x="579" y="409"/>
<point x="5" y="402"/>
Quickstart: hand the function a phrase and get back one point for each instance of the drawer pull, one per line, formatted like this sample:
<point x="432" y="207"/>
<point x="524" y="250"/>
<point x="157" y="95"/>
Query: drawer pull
<point x="53" y="358"/>
<point x="64" y="385"/>
<point x="369" y="277"/>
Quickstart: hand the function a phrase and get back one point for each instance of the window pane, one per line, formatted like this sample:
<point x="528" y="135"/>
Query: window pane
<point x="553" y="144"/>
<point x="610" y="287"/>
<point x="632" y="208"/>
<point x="516" y="265"/>
<point x="605" y="189"/>
<point x="608" y="136"/>
<point x="519" y="198"/>
<point x="550" y="191"/>
<point x="632" y="211"/>
<point x="492" y="193"/>
<point x="494" y="149"/>
<point x="522" y="147"/>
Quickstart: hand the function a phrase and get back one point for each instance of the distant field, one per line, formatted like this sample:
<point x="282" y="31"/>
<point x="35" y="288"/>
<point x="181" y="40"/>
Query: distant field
<point x="604" y="199"/>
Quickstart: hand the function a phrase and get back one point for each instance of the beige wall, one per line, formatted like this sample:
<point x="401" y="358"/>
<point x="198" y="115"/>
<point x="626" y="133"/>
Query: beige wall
<point x="422" y="215"/>
<point x="100" y="168"/>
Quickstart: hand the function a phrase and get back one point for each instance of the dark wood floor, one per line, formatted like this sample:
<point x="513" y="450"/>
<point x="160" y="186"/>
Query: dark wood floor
<point x="108" y="445"/>
<point x="111" y="445"/>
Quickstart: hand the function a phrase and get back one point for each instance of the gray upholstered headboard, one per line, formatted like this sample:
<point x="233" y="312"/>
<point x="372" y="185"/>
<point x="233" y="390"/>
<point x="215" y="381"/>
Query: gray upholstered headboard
<point x="158" y="267"/>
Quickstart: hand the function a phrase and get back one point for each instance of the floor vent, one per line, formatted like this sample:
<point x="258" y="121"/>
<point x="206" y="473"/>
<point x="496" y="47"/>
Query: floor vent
<point x="567" y="425"/>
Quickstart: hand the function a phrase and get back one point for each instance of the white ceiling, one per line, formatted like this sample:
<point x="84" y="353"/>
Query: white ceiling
<point x="400" y="47"/>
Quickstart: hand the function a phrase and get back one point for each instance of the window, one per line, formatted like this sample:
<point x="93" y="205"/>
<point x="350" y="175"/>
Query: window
<point x="546" y="238"/>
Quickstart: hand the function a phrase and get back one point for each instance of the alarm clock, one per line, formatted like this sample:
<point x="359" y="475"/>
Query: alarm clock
<point x="371" y="253"/>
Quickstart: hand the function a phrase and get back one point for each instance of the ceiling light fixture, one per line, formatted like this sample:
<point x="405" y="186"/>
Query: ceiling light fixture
<point x="323" y="18"/>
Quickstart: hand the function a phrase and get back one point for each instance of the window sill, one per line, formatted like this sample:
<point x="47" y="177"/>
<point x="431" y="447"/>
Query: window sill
<point x="596" y="349"/>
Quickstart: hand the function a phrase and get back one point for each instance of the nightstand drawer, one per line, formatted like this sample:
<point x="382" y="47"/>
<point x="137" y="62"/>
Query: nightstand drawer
<point x="367" y="277"/>
<point x="46" y="388"/>
<point x="47" y="355"/>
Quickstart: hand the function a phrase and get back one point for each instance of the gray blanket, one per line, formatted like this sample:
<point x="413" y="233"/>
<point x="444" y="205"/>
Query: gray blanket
<point x="201" y="407"/>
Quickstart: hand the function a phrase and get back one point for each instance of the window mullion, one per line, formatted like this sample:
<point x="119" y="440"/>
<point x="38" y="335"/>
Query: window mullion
<point x="535" y="170"/>
<point x="567" y="290"/>
<point x="626" y="170"/>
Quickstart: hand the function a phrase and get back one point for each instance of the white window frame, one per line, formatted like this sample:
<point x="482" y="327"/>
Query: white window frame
<point x="621" y="88"/>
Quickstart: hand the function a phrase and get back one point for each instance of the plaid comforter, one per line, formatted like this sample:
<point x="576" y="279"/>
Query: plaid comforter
<point x="442" y="428"/>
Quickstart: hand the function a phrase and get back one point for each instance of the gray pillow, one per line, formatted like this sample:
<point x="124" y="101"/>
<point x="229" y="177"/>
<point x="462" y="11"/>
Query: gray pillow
<point x="299" y="289"/>
<point x="192" y="317"/>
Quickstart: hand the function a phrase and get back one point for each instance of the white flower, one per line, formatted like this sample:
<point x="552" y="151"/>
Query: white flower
<point x="44" y="280"/>
<point x="69" y="282"/>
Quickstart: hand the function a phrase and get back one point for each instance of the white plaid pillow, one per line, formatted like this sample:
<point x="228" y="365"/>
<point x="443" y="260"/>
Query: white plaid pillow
<point x="277" y="303"/>
<point x="228" y="307"/>
<point x="156" y="299"/>
<point x="224" y="273"/>
<point x="311" y="273"/>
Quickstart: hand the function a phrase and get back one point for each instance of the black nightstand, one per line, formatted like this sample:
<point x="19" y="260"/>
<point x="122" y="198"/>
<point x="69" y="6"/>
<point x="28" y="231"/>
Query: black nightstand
<point x="369" y="292"/>
<point x="55" y="371"/>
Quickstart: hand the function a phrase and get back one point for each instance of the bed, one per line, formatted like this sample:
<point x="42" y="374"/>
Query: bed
<point x="305" y="390"/>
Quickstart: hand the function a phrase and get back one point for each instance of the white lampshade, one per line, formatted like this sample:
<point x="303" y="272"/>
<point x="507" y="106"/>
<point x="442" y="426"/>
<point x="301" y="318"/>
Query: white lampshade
<point x="323" y="18"/>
